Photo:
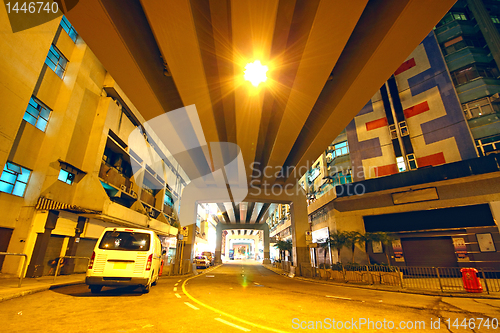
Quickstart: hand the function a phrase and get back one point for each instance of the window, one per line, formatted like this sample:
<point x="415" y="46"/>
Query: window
<point x="392" y="131"/>
<point x="341" y="177"/>
<point x="66" y="177"/>
<point x="125" y="241"/>
<point x="478" y="108"/>
<point x="412" y="161"/>
<point x="453" y="16"/>
<point x="403" y="128"/>
<point x="69" y="28"/>
<point x="314" y="174"/>
<point x="337" y="150"/>
<point x="56" y="61"/>
<point x="14" y="179"/>
<point x="401" y="164"/>
<point x="470" y="73"/>
<point x="168" y="200"/>
<point x="37" y="114"/>
<point x="488" y="145"/>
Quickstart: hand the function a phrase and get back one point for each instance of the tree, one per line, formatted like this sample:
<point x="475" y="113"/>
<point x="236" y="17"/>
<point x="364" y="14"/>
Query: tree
<point x="386" y="239"/>
<point x="338" y="241"/>
<point x="380" y="236"/>
<point x="365" y="239"/>
<point x="351" y="239"/>
<point x="284" y="246"/>
<point x="325" y="245"/>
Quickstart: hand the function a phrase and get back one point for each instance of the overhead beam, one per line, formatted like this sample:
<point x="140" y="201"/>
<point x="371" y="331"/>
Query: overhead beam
<point x="389" y="31"/>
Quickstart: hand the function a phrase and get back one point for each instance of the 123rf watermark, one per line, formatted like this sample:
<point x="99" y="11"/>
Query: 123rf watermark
<point x="418" y="325"/>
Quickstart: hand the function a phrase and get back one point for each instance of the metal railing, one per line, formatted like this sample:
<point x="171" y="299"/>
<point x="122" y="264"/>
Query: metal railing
<point x="447" y="279"/>
<point x="432" y="278"/>
<point x="491" y="279"/>
<point x="59" y="261"/>
<point x="441" y="279"/>
<point x="21" y="275"/>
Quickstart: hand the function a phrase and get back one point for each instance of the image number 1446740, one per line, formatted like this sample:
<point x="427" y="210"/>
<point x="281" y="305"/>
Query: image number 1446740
<point x="32" y="7"/>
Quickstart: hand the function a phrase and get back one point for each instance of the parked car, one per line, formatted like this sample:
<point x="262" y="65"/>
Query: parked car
<point x="123" y="257"/>
<point x="210" y="256"/>
<point x="202" y="261"/>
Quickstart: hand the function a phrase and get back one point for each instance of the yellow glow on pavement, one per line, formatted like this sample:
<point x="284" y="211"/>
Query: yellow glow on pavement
<point x="224" y="313"/>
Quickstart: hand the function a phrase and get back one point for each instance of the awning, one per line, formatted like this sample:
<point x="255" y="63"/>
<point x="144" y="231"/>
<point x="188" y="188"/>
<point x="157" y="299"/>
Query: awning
<point x="48" y="204"/>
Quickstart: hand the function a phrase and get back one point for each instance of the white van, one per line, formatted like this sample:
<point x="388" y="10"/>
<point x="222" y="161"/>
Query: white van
<point x="125" y="256"/>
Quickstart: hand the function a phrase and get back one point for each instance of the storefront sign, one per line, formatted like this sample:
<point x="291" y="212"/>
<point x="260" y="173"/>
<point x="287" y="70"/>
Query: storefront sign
<point x="320" y="235"/>
<point x="398" y="250"/>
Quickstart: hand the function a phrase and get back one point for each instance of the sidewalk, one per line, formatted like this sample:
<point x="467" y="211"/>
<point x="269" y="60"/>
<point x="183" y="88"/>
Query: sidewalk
<point x="381" y="287"/>
<point x="9" y="286"/>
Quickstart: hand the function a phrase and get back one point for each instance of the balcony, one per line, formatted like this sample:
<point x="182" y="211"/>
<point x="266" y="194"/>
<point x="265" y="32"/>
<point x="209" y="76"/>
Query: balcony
<point x="466" y="56"/>
<point x="113" y="176"/>
<point x="454" y="29"/>
<point x="477" y="88"/>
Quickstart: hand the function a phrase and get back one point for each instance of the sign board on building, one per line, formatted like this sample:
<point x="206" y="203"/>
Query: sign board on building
<point x="460" y="249"/>
<point x="485" y="242"/>
<point x="308" y="237"/>
<point x="398" y="250"/>
<point x="184" y="231"/>
<point x="320" y="235"/>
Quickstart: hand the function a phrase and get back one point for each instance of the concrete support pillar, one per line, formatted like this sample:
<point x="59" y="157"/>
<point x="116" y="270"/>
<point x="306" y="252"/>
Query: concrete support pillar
<point x="188" y="251"/>
<point x="488" y="29"/>
<point x="73" y="246"/>
<point x="267" y="259"/>
<point x="35" y="268"/>
<point x="300" y="224"/>
<point x="218" y="244"/>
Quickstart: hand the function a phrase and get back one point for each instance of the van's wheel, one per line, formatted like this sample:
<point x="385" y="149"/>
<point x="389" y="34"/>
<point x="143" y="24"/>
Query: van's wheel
<point x="146" y="288"/>
<point x="95" y="289"/>
<point x="155" y="282"/>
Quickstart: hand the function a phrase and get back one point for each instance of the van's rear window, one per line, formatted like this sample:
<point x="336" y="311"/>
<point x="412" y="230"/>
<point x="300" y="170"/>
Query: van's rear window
<point x="125" y="240"/>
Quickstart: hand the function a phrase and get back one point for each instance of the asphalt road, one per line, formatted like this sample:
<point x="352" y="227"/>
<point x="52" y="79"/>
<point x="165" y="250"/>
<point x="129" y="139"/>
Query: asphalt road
<point x="236" y="297"/>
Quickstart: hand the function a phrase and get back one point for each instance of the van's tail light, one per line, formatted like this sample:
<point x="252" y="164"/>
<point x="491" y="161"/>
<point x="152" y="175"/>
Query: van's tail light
<point x="91" y="262"/>
<point x="150" y="261"/>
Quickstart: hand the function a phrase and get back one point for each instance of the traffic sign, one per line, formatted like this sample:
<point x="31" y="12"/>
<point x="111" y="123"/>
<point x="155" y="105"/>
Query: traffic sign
<point x="308" y="237"/>
<point x="184" y="231"/>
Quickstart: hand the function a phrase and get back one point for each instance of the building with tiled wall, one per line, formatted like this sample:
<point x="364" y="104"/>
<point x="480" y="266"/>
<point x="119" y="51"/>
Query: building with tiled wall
<point x="408" y="164"/>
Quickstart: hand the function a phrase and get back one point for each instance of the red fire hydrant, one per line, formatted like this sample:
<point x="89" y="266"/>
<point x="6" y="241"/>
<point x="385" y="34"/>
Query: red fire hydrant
<point x="471" y="281"/>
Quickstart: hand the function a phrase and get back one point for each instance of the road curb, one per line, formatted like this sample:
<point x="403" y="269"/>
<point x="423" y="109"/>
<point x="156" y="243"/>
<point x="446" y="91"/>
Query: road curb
<point x="38" y="289"/>
<point x="367" y="287"/>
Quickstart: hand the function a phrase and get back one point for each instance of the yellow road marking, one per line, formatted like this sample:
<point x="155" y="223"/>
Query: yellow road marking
<point x="233" y="325"/>
<point x="224" y="313"/>
<point x="339" y="297"/>
<point x="191" y="306"/>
